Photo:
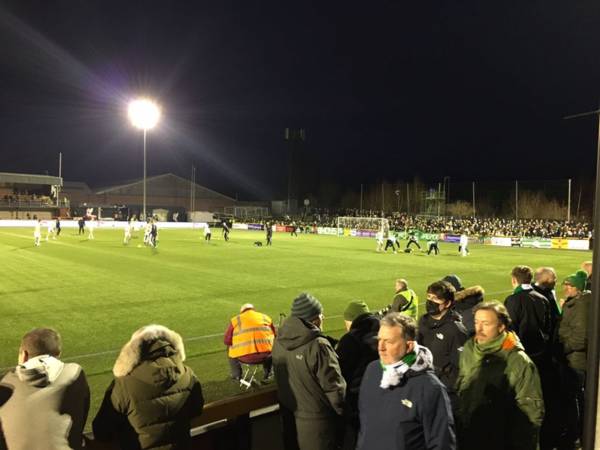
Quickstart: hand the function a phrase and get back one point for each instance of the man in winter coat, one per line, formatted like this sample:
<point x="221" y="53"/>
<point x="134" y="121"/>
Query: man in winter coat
<point x="44" y="402"/>
<point x="531" y="316"/>
<point x="499" y="389"/>
<point x="465" y="300"/>
<point x="402" y="404"/>
<point x="249" y="338"/>
<point x="545" y="281"/>
<point x="572" y="333"/>
<point x="154" y="396"/>
<point x="310" y="385"/>
<point x="356" y="349"/>
<point x="442" y="332"/>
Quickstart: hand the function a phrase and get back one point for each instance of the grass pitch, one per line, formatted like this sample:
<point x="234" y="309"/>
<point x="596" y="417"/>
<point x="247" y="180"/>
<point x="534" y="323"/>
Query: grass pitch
<point x="97" y="292"/>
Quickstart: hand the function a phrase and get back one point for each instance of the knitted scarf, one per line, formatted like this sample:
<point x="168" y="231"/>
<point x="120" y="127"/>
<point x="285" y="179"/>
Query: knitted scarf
<point x="418" y="360"/>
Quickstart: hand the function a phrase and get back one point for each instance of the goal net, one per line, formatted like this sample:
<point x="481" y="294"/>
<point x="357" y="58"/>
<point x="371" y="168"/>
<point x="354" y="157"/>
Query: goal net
<point x="361" y="226"/>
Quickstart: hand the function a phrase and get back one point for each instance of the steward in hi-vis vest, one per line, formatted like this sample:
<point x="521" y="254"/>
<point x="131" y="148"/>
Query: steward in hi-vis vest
<point x="249" y="338"/>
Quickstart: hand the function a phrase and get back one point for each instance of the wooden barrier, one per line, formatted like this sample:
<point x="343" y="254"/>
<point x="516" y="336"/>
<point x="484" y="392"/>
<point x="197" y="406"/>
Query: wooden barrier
<point x="233" y="413"/>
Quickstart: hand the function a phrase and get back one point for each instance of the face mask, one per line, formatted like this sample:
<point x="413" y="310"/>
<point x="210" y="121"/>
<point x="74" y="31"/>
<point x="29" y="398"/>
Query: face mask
<point x="433" y="308"/>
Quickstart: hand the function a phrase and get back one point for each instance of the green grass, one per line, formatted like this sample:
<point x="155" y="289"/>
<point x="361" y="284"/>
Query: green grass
<point x="96" y="293"/>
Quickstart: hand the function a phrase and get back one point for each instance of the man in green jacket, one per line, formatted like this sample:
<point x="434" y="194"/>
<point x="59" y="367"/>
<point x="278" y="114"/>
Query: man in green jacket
<point x="310" y="385"/>
<point x="572" y="334"/>
<point x="499" y="389"/>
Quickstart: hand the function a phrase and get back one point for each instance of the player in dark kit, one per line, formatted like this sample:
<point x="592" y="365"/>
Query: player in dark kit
<point x="293" y="229"/>
<point x="57" y="226"/>
<point x="433" y="246"/>
<point x="225" y="230"/>
<point x="412" y="239"/>
<point x="269" y="229"/>
<point x="81" y="223"/>
<point x="153" y="234"/>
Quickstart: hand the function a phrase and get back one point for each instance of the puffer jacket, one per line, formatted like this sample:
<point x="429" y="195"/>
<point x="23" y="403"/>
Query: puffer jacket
<point x="153" y="397"/>
<point x="500" y="396"/>
<point x="573" y="328"/>
<point x="465" y="301"/>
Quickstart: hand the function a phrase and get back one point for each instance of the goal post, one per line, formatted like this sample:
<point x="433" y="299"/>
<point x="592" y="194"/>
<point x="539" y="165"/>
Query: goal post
<point x="361" y="226"/>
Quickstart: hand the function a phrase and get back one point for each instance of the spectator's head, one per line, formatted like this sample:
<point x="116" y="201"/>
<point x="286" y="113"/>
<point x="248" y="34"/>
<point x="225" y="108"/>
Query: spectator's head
<point x="521" y="275"/>
<point x="587" y="266"/>
<point x="440" y="298"/>
<point x="545" y="277"/>
<point x="246" y="307"/>
<point x="491" y="320"/>
<point x="396" y="338"/>
<point x="454" y="281"/>
<point x="40" y="341"/>
<point x="308" y="308"/>
<point x="575" y="283"/>
<point x="401" y="285"/>
<point x="354" y="309"/>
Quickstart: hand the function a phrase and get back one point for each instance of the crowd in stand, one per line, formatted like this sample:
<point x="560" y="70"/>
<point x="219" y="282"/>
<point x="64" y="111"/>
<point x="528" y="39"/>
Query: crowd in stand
<point x="450" y="225"/>
<point x="471" y="374"/>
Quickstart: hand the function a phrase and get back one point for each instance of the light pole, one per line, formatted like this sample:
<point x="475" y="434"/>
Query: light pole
<point x="144" y="114"/>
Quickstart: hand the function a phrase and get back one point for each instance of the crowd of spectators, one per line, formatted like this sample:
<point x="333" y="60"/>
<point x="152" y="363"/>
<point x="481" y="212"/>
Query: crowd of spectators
<point x="472" y="374"/>
<point x="542" y="228"/>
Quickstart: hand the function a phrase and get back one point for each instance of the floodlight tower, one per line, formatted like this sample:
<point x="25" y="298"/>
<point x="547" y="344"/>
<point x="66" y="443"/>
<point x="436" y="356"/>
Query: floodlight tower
<point x="144" y="114"/>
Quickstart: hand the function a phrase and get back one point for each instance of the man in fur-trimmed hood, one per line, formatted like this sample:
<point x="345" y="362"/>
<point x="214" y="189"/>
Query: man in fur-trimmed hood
<point x="465" y="300"/>
<point x="151" y="401"/>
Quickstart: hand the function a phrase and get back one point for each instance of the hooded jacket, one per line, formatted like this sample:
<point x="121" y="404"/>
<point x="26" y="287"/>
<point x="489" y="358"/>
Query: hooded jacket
<point x="356" y="350"/>
<point x="465" y="300"/>
<point x="44" y="405"/>
<point x="500" y="396"/>
<point x="573" y="329"/>
<point x="413" y="414"/>
<point x="445" y="339"/>
<point x="308" y="375"/>
<point x="153" y="397"/>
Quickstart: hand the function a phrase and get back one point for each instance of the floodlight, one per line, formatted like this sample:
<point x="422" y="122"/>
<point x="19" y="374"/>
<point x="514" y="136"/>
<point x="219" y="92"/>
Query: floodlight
<point x="144" y="113"/>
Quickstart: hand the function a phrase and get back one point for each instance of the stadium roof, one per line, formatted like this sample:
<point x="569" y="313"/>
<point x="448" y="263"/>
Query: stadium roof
<point x="131" y="183"/>
<point x="26" y="178"/>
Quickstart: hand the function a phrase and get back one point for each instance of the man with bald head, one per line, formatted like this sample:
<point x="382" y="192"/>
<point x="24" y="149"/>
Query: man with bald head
<point x="249" y="337"/>
<point x="43" y="394"/>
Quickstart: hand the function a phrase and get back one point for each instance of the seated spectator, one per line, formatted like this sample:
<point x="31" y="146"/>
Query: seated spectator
<point x="310" y="385"/>
<point x="442" y="332"/>
<point x="44" y="402"/>
<point x="402" y="403"/>
<point x="499" y="389"/>
<point x="153" y="397"/>
<point x="356" y="349"/>
<point x="249" y="337"/>
<point x="572" y="333"/>
<point x="465" y="300"/>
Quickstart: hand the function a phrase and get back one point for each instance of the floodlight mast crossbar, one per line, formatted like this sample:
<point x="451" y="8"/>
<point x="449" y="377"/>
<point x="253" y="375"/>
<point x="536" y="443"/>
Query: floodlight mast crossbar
<point x="144" y="114"/>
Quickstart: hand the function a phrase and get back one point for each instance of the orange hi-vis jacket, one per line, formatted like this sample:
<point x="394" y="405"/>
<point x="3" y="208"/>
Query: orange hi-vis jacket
<point x="252" y="333"/>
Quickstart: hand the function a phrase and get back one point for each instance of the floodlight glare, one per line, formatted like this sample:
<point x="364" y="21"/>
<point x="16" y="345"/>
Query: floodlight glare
<point x="144" y="113"/>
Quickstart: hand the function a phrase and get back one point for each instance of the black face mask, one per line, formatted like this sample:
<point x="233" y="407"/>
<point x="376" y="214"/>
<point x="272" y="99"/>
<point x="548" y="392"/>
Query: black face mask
<point x="433" y="308"/>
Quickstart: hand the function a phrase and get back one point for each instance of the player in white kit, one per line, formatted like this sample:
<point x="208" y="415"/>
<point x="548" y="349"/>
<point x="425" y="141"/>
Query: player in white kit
<point x="464" y="243"/>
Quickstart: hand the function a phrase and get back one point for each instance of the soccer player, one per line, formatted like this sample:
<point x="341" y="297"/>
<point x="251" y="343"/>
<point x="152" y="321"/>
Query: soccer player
<point x="412" y="239"/>
<point x="147" y="231"/>
<point x="50" y="230"/>
<point x="293" y="228"/>
<point x="37" y="233"/>
<point x="153" y="234"/>
<point x="269" y="230"/>
<point x="57" y="226"/>
<point x="464" y="243"/>
<point x="127" y="236"/>
<point x="391" y="242"/>
<point x="225" y="230"/>
<point x="379" y="240"/>
<point x="91" y="227"/>
<point x="432" y="245"/>
<point x="207" y="233"/>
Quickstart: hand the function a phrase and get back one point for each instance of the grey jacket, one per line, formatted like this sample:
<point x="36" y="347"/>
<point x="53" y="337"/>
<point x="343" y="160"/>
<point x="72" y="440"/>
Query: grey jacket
<point x="44" y="405"/>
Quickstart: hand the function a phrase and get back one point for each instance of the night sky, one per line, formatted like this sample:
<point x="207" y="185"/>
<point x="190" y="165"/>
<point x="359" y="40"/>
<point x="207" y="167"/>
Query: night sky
<point x="385" y="90"/>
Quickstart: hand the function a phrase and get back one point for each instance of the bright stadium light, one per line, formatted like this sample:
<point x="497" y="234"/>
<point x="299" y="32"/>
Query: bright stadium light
<point x="144" y="114"/>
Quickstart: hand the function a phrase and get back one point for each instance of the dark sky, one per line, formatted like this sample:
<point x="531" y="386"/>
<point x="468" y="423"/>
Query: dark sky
<point x="385" y="90"/>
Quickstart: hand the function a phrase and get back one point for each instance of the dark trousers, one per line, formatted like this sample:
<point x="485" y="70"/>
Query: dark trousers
<point x="573" y="384"/>
<point x="433" y="247"/>
<point x="553" y="417"/>
<point x="413" y="242"/>
<point x="235" y="365"/>
<point x="269" y="240"/>
<point x="207" y="237"/>
<point x="226" y="235"/>
<point x="389" y="244"/>
<point x="323" y="433"/>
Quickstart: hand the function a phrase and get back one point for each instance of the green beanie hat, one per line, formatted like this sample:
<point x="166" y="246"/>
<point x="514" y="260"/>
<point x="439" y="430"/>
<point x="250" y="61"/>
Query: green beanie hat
<point x="578" y="279"/>
<point x="355" y="308"/>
